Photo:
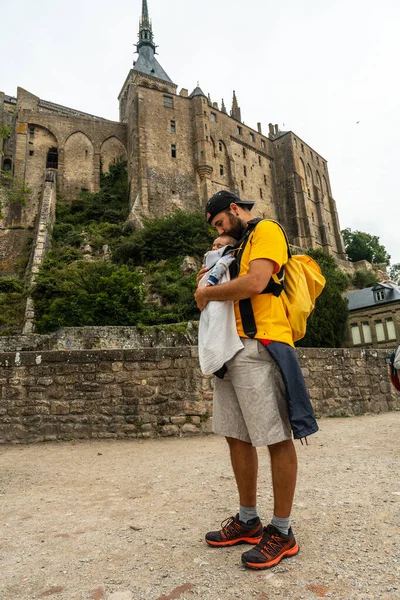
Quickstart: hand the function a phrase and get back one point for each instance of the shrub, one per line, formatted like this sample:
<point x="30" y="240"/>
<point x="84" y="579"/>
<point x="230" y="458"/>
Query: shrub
<point x="94" y="293"/>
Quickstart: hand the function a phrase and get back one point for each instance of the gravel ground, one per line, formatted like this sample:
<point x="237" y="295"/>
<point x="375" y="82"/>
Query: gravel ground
<point x="125" y="520"/>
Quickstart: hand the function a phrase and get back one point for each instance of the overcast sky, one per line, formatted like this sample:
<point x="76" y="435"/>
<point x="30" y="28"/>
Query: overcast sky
<point x="326" y="69"/>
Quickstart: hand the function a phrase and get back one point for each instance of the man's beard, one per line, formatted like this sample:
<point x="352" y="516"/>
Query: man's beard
<point x="237" y="227"/>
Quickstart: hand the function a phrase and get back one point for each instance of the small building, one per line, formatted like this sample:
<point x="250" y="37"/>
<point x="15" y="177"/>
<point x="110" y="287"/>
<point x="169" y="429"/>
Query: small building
<point x="374" y="319"/>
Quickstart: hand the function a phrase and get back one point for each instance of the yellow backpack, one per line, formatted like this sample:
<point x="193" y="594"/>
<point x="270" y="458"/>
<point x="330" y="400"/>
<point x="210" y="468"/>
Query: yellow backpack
<point x="299" y="283"/>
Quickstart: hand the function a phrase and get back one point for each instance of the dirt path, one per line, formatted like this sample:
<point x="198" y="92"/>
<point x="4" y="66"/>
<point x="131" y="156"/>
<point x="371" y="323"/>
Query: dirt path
<point x="66" y="508"/>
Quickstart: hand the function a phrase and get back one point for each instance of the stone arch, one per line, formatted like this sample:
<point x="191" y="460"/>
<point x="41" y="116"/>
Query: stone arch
<point x="112" y="150"/>
<point x="309" y="175"/>
<point x="318" y="180"/>
<point x="39" y="141"/>
<point x="302" y="174"/>
<point x="7" y="164"/>
<point x="78" y="164"/>
<point x="325" y="187"/>
<point x="214" y="153"/>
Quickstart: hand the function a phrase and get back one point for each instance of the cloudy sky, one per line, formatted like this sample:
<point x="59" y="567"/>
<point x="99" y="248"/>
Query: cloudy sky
<point x="326" y="69"/>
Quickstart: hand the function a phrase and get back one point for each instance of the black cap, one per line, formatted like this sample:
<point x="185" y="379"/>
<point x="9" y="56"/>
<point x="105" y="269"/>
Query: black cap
<point x="222" y="200"/>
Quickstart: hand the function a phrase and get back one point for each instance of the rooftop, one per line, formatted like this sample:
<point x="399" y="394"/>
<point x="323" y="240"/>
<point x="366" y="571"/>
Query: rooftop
<point x="368" y="297"/>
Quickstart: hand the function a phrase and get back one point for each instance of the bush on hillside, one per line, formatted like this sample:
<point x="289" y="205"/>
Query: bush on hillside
<point x="87" y="293"/>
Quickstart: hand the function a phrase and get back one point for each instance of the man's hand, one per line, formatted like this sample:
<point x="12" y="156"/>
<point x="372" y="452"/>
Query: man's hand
<point x="200" y="297"/>
<point x="200" y="274"/>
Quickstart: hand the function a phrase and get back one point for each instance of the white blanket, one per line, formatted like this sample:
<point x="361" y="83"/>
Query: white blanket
<point x="396" y="362"/>
<point x="218" y="337"/>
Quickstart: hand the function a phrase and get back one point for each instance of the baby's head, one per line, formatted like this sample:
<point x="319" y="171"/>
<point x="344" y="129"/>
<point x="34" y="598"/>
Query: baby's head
<point x="223" y="240"/>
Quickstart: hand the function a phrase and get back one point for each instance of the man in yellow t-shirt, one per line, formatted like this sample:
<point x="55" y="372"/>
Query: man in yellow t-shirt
<point x="250" y="407"/>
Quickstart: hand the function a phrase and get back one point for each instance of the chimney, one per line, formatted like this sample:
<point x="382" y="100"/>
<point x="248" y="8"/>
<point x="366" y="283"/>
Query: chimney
<point x="271" y="131"/>
<point x="259" y="128"/>
<point x="184" y="92"/>
<point x="276" y="129"/>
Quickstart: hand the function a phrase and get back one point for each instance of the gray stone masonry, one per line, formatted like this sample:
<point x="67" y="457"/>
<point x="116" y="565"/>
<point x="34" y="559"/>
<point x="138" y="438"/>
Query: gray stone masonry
<point x="148" y="392"/>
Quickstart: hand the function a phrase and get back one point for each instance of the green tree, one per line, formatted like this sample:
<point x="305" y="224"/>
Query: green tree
<point x="364" y="279"/>
<point x="87" y="293"/>
<point x="176" y="235"/>
<point x="326" y="328"/>
<point x="394" y="273"/>
<point x="364" y="246"/>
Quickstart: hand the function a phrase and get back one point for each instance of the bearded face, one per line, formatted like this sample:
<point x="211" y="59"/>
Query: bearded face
<point x="236" y="226"/>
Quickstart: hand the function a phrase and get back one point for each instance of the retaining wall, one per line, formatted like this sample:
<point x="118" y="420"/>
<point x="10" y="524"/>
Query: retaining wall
<point x="60" y="395"/>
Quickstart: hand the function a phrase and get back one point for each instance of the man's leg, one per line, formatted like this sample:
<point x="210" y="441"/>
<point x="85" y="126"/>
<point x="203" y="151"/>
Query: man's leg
<point x="278" y="540"/>
<point x="284" y="473"/>
<point x="239" y="529"/>
<point x="245" y="467"/>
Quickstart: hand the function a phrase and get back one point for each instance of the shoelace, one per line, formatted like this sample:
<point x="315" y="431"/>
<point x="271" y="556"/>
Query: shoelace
<point x="270" y="544"/>
<point x="230" y="526"/>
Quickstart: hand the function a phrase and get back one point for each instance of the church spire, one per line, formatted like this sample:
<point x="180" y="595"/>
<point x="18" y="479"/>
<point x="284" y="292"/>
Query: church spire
<point x="145" y="29"/>
<point x="146" y="48"/>
<point x="235" y="111"/>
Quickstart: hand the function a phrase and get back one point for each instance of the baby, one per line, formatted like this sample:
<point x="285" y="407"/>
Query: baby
<point x="216" y="261"/>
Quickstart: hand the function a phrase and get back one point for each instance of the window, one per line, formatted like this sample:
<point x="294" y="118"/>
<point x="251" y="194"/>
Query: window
<point x="168" y="101"/>
<point x="312" y="216"/>
<point x="52" y="159"/>
<point x="311" y="154"/>
<point x="173" y="150"/>
<point x="221" y="169"/>
<point x="244" y="152"/>
<point x="295" y="142"/>
<point x="213" y="117"/>
<point x="245" y="171"/>
<point x="260" y="193"/>
<point x="173" y="126"/>
<point x="380" y="332"/>
<point x="242" y="185"/>
<point x="323" y="164"/>
<point x="259" y="160"/>
<point x="86" y="153"/>
<point x="390" y="329"/>
<point x="308" y="192"/>
<point x="252" y="137"/>
<point x="317" y="157"/>
<point x="31" y="132"/>
<point x="262" y="144"/>
<point x="7" y="164"/>
<point x="30" y="152"/>
<point x="355" y="334"/>
<point x="220" y="146"/>
<point x="201" y="153"/>
<point x="302" y="147"/>
<point x="366" y="332"/>
<point x="265" y="179"/>
<point x="239" y="130"/>
<point x="380" y="295"/>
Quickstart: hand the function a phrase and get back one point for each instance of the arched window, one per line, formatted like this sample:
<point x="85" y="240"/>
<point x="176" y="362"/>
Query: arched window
<point x="7" y="164"/>
<point x="52" y="159"/>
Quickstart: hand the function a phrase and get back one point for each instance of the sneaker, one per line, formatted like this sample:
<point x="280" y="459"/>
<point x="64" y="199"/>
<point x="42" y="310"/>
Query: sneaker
<point x="273" y="546"/>
<point x="235" y="531"/>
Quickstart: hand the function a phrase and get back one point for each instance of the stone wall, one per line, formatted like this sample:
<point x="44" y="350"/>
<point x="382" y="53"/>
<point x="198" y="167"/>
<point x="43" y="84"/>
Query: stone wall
<point x="61" y="395"/>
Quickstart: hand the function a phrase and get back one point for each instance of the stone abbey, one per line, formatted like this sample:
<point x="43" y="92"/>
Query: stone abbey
<point x="180" y="149"/>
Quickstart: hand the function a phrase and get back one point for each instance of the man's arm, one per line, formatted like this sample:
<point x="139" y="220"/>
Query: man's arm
<point x="240" y="288"/>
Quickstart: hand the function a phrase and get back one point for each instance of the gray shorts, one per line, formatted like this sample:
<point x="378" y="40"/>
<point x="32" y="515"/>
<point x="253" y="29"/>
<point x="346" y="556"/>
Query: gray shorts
<point x="250" y="402"/>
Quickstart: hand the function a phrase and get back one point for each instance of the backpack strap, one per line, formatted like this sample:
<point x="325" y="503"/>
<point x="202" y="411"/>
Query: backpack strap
<point x="273" y="287"/>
